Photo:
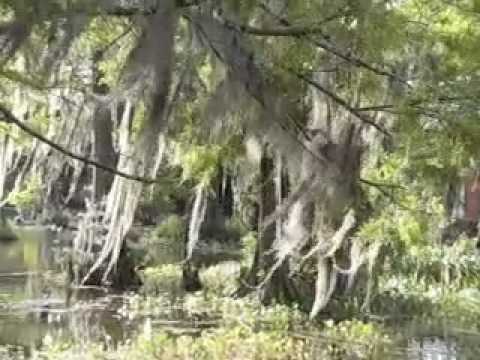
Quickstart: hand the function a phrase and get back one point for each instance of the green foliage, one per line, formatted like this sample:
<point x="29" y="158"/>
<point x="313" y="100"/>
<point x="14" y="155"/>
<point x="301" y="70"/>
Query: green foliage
<point x="456" y="266"/>
<point x="172" y="228"/>
<point x="162" y="279"/>
<point x="107" y="37"/>
<point x="227" y="343"/>
<point x="235" y="230"/>
<point x="249" y="242"/>
<point x="356" y="339"/>
<point x="11" y="352"/>
<point x="246" y="330"/>
<point x="407" y="224"/>
<point x="221" y="279"/>
<point x="463" y="306"/>
<point x="139" y="119"/>
<point x="200" y="161"/>
<point x="29" y="196"/>
<point x="61" y="350"/>
<point x="164" y="244"/>
<point x="415" y="272"/>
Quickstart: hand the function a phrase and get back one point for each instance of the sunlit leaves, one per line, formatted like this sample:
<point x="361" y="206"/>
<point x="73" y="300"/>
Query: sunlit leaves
<point x="200" y="162"/>
<point x="452" y="30"/>
<point x="101" y="40"/>
<point x="28" y="196"/>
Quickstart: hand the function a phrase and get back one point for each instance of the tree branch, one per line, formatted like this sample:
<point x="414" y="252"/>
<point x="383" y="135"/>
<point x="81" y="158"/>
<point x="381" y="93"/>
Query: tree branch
<point x="375" y="108"/>
<point x="284" y="31"/>
<point x="9" y="118"/>
<point x="341" y="102"/>
<point x="326" y="46"/>
<point x="131" y="11"/>
<point x="382" y="185"/>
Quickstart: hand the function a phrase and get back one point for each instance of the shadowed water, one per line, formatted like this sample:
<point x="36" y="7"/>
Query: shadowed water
<point x="36" y="305"/>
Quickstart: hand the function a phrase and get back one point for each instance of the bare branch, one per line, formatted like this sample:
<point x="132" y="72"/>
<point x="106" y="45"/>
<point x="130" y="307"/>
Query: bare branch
<point x="284" y="31"/>
<point x="341" y="102"/>
<point x="147" y="10"/>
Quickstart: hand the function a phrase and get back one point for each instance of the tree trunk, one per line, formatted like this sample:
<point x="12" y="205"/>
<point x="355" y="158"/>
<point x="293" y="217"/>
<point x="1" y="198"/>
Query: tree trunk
<point x="190" y="270"/>
<point x="274" y="278"/>
<point x="103" y="140"/>
<point x="341" y="145"/>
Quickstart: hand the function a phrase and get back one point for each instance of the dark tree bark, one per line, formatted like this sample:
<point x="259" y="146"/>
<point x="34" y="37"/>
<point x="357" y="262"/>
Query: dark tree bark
<point x="190" y="270"/>
<point x="103" y="141"/>
<point x="278" y="287"/>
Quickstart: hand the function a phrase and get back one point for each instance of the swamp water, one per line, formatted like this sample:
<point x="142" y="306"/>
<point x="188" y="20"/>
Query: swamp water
<point x="36" y="307"/>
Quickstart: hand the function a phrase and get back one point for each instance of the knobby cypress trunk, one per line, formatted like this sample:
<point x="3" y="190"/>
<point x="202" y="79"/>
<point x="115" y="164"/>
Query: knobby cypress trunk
<point x="342" y="147"/>
<point x="280" y="287"/>
<point x="190" y="270"/>
<point x="273" y="278"/>
<point x="147" y="77"/>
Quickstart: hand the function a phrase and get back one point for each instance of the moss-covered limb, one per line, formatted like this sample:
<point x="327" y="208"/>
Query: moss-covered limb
<point x="10" y="118"/>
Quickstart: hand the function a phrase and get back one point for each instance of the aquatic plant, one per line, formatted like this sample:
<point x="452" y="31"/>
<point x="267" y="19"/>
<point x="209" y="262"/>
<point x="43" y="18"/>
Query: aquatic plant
<point x="162" y="279"/>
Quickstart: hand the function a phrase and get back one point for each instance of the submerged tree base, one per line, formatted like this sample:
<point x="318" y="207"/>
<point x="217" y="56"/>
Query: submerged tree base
<point x="7" y="235"/>
<point x="123" y="277"/>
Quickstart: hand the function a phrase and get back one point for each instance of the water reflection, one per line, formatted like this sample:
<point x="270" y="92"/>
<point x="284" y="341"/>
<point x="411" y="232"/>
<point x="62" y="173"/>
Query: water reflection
<point x="428" y="339"/>
<point x="35" y="304"/>
<point x="432" y="349"/>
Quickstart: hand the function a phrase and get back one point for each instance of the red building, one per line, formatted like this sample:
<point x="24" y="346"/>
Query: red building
<point x="472" y="199"/>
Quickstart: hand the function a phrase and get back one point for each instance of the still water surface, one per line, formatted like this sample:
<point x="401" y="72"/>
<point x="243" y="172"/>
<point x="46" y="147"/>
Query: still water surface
<point x="35" y="304"/>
